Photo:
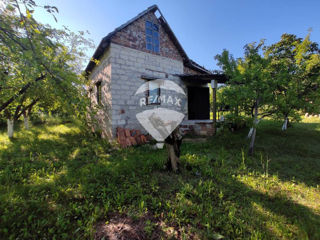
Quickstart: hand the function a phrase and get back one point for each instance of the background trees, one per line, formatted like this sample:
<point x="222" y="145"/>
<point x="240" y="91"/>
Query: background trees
<point x="276" y="81"/>
<point x="39" y="65"/>
<point x="294" y="67"/>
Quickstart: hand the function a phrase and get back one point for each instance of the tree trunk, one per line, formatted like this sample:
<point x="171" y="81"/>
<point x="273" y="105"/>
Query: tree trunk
<point x="253" y="130"/>
<point x="26" y="121"/>
<point x="173" y="143"/>
<point x="253" y="137"/>
<point x="10" y="124"/>
<point x="285" y="124"/>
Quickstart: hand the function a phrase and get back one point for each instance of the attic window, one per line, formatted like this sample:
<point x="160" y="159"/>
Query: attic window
<point x="152" y="37"/>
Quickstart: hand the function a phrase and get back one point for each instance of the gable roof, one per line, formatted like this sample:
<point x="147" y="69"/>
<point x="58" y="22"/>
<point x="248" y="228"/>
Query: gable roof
<point x="105" y="42"/>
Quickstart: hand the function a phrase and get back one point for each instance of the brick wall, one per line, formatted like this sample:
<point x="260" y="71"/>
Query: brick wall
<point x="133" y="36"/>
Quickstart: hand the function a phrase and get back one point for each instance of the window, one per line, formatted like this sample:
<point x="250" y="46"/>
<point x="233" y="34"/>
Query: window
<point x="90" y="95"/>
<point x="153" y="93"/>
<point x="98" y="86"/>
<point x="152" y="37"/>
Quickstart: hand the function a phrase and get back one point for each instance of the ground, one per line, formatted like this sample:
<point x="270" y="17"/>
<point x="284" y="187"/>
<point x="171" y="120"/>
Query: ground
<point x="56" y="182"/>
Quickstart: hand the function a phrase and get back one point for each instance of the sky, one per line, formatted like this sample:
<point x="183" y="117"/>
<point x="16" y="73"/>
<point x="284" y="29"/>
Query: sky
<point x="203" y="27"/>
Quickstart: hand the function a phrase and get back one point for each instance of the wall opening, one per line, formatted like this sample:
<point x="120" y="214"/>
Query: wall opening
<point x="198" y="103"/>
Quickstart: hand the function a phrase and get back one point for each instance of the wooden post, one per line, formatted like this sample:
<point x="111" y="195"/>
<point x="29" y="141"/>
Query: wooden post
<point x="173" y="143"/>
<point x="214" y="105"/>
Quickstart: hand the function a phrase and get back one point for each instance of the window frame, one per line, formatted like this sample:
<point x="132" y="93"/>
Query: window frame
<point x="99" y="93"/>
<point x="152" y="41"/>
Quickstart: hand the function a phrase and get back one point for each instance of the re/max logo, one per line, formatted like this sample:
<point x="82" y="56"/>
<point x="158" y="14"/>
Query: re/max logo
<point x="160" y="99"/>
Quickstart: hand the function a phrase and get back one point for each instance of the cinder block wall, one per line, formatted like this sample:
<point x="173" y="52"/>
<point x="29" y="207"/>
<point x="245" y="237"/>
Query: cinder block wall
<point x="120" y="71"/>
<point x="102" y="73"/>
<point x="128" y="65"/>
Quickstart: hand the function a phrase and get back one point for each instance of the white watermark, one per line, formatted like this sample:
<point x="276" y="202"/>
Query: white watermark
<point x="162" y="118"/>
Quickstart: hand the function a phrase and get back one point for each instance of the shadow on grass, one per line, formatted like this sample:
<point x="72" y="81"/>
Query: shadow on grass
<point x="62" y="185"/>
<point x="293" y="154"/>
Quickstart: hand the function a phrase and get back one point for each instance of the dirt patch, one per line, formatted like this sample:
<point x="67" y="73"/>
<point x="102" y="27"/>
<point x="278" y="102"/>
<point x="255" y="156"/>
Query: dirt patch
<point x="147" y="227"/>
<point x="122" y="227"/>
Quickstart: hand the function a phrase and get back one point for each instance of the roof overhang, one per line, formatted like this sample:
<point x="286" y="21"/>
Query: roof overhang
<point x="204" y="78"/>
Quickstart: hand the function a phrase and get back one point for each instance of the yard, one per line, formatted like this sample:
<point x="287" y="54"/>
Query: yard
<point x="58" y="183"/>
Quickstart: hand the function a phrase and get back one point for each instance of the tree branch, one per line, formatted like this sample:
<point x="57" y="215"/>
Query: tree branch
<point x="22" y="91"/>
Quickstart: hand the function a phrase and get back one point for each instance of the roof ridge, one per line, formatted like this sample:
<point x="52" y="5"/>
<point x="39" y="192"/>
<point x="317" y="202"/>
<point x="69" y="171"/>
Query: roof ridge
<point x="107" y="39"/>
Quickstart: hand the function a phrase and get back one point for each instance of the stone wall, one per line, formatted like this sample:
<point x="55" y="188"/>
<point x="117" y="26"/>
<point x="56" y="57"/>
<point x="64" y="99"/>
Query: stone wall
<point x="133" y="36"/>
<point x="128" y="65"/>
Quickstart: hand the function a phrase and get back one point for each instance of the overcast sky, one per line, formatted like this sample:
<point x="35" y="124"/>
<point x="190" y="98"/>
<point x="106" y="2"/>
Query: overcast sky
<point x="204" y="28"/>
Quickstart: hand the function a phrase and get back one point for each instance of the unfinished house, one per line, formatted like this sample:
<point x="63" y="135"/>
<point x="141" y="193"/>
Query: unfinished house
<point x="144" y="49"/>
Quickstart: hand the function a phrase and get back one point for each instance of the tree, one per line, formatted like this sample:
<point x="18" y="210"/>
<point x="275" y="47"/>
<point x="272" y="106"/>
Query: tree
<point x="276" y="81"/>
<point x="249" y="86"/>
<point x="38" y="64"/>
<point x="294" y="66"/>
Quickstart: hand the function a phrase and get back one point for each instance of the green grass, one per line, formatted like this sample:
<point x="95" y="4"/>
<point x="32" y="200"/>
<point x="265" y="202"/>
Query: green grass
<point x="57" y="183"/>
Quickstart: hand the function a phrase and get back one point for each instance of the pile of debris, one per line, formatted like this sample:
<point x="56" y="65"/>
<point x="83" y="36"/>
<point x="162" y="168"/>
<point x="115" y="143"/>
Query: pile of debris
<point x="131" y="137"/>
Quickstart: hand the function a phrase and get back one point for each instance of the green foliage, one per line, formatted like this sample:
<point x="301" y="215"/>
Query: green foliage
<point x="57" y="182"/>
<point x="295" y="69"/>
<point x="40" y="67"/>
<point x="282" y="78"/>
<point x="250" y="82"/>
<point x="277" y="81"/>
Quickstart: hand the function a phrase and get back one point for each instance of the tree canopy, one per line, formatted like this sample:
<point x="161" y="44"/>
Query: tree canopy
<point x="277" y="81"/>
<point x="39" y="65"/>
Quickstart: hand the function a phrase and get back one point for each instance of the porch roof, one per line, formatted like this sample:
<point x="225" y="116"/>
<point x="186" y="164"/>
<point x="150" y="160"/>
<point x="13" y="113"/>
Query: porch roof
<point x="204" y="78"/>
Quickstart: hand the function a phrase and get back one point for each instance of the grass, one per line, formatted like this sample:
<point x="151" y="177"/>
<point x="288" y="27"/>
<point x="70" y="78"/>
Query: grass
<point x="58" y="183"/>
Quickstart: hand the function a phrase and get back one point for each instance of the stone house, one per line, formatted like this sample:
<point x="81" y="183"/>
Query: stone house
<point x="143" y="49"/>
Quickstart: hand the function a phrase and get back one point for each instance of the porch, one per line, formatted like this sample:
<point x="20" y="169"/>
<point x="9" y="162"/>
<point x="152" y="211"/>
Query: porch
<point x="198" y="121"/>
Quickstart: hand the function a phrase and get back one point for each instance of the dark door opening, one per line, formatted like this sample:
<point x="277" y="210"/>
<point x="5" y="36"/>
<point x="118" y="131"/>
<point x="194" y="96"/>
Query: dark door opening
<point x="198" y="103"/>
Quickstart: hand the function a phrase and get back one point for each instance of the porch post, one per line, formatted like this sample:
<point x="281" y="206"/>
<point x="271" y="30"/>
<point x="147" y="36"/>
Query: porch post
<point x="214" y="106"/>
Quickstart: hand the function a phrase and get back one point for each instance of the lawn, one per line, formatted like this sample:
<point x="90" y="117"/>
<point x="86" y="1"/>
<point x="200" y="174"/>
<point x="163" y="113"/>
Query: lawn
<point x="56" y="182"/>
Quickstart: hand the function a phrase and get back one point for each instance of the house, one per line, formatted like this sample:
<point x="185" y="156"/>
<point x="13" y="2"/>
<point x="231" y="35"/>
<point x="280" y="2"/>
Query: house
<point x="140" y="51"/>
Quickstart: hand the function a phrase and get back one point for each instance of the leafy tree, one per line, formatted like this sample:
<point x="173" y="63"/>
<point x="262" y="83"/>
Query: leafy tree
<point x="294" y="66"/>
<point x="39" y="64"/>
<point x="276" y="81"/>
<point x="250" y="86"/>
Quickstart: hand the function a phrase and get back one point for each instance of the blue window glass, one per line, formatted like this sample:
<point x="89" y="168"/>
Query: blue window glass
<point x="148" y="31"/>
<point x="155" y="35"/>
<point x="149" y="39"/>
<point x="152" y="37"/>
<point x="156" y="48"/>
<point x="148" y="24"/>
<point x="155" y="27"/>
<point x="149" y="46"/>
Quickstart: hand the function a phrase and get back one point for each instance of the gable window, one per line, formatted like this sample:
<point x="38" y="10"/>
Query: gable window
<point x="99" y="93"/>
<point x="152" y="37"/>
<point x="153" y="93"/>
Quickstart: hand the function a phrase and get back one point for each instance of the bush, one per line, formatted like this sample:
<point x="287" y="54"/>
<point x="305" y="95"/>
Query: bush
<point x="235" y="122"/>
